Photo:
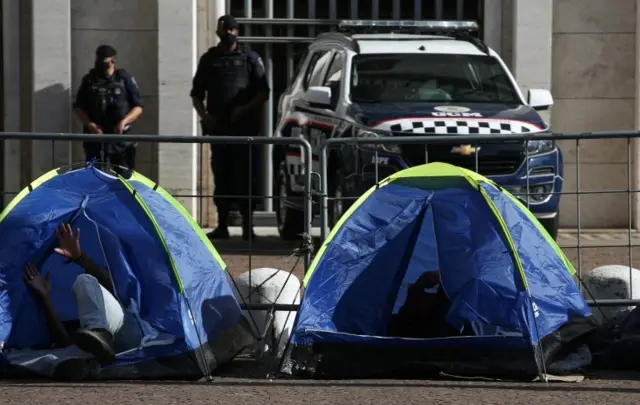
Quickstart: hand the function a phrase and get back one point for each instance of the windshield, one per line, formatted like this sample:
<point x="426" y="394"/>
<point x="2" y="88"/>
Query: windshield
<point x="430" y="78"/>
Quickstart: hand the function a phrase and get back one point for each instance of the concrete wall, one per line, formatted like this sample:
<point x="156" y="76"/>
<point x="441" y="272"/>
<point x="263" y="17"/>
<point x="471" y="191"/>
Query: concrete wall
<point x="131" y="26"/>
<point x="584" y="50"/>
<point x="594" y="69"/>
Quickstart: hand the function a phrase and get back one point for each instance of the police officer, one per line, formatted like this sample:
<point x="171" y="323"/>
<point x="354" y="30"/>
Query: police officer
<point x="232" y="79"/>
<point x="108" y="102"/>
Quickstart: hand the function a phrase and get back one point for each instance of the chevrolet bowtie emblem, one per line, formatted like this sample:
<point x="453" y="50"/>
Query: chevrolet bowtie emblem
<point x="465" y="150"/>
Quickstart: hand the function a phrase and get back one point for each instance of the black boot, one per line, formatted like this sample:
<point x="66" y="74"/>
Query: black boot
<point x="98" y="342"/>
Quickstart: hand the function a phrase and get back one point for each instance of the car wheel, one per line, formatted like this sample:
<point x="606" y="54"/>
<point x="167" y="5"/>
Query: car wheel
<point x="552" y="225"/>
<point x="290" y="220"/>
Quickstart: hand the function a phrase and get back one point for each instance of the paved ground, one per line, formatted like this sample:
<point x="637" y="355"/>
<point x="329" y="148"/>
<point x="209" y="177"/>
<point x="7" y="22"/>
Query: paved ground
<point x="625" y="390"/>
<point x="248" y="385"/>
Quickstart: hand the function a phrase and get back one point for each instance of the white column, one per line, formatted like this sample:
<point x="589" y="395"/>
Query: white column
<point x="177" y="59"/>
<point x="51" y="81"/>
<point x="635" y="209"/>
<point x="492" y="24"/>
<point x="532" y="39"/>
<point x="11" y="96"/>
<point x="218" y="10"/>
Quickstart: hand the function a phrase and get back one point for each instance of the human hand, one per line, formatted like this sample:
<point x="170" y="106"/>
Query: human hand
<point x="68" y="243"/>
<point x="119" y="128"/>
<point x="209" y="122"/>
<point x="94" y="128"/>
<point x="41" y="286"/>
<point x="237" y="114"/>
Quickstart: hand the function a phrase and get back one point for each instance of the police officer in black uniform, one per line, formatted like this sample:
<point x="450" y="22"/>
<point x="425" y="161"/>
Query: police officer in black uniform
<point x="108" y="102"/>
<point x="232" y="79"/>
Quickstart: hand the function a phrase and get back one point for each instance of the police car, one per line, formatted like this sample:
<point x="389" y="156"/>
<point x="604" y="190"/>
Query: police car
<point x="437" y="80"/>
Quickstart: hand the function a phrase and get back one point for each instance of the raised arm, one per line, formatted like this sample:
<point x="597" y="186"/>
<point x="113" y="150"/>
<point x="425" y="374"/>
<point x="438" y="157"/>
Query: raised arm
<point x="69" y="247"/>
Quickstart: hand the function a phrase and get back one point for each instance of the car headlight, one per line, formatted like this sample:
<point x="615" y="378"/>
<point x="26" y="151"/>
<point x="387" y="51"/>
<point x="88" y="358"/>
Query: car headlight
<point x="389" y="148"/>
<point x="540" y="146"/>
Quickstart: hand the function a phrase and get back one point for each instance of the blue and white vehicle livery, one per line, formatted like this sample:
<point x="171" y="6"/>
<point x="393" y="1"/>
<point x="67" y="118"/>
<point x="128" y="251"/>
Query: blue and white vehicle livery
<point x="363" y="85"/>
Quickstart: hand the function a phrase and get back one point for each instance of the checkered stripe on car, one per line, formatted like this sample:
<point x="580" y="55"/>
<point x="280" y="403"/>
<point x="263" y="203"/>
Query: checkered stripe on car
<point x="463" y="127"/>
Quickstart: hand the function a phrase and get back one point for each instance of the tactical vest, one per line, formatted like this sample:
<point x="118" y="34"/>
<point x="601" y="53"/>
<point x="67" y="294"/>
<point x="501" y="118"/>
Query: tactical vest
<point x="228" y="81"/>
<point x="109" y="103"/>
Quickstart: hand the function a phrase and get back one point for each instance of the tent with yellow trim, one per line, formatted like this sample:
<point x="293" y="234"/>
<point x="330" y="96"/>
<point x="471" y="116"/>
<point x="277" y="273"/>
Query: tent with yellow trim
<point x="163" y="266"/>
<point x="513" y="303"/>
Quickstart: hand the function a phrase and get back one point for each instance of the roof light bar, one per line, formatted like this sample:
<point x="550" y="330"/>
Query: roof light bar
<point x="424" y="26"/>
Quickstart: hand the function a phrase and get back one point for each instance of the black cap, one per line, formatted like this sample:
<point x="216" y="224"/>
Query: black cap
<point x="227" y="22"/>
<point x="105" y="51"/>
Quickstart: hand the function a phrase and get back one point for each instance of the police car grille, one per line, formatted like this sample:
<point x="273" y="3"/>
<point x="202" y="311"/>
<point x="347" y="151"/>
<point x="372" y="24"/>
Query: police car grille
<point x="496" y="163"/>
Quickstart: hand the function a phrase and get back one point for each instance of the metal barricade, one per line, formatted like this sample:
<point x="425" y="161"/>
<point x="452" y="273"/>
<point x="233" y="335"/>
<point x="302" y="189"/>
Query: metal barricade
<point x="61" y="144"/>
<point x="577" y="139"/>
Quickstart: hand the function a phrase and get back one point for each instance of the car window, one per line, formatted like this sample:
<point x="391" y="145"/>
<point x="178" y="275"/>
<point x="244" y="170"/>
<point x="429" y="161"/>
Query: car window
<point x="316" y="68"/>
<point x="430" y="78"/>
<point x="299" y="64"/>
<point x="334" y="73"/>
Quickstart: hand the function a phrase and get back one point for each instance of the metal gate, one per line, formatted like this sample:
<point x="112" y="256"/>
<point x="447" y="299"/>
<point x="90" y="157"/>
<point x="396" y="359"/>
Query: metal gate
<point x="281" y="30"/>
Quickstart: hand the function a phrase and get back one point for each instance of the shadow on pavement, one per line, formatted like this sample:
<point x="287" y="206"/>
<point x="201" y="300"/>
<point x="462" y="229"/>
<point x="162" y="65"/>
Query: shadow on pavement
<point x="250" y="373"/>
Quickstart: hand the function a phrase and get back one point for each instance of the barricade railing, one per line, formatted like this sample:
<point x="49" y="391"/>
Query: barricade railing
<point x="377" y="139"/>
<point x="301" y="143"/>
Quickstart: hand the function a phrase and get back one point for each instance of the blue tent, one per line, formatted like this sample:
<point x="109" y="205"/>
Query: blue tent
<point x="508" y="283"/>
<point x="159" y="258"/>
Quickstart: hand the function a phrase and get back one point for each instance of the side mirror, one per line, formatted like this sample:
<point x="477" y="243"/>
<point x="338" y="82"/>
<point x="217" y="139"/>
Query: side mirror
<point x="540" y="99"/>
<point x="318" y="96"/>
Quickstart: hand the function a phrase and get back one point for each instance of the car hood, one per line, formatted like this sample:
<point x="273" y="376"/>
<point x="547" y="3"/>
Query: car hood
<point x="449" y="118"/>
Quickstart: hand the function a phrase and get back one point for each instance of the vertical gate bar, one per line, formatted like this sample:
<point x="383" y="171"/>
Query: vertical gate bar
<point x="417" y="10"/>
<point x="333" y="9"/>
<point x="308" y="214"/>
<point x="375" y="9"/>
<point x="395" y="12"/>
<point x="324" y="187"/>
<point x="312" y="16"/>
<point x="438" y="9"/>
<point x="460" y="10"/>
<point x="268" y="122"/>
<point x="579" y="223"/>
<point x="70" y="154"/>
<point x="353" y="12"/>
<point x="528" y="172"/>
<point x="228" y="7"/>
<point x="250" y="196"/>
<point x="290" y="62"/>
<point x="630" y="214"/>
<point x="248" y="13"/>
<point x="201" y="186"/>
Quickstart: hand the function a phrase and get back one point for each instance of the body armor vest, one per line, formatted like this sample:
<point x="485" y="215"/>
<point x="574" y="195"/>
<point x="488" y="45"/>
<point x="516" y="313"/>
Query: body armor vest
<point x="229" y="81"/>
<point x="109" y="101"/>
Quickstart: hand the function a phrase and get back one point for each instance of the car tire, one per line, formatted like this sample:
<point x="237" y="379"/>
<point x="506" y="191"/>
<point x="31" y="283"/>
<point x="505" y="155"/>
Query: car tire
<point x="290" y="220"/>
<point x="552" y="225"/>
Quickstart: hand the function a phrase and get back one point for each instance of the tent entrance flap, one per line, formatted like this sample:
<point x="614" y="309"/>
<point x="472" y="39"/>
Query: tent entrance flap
<point x="370" y="249"/>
